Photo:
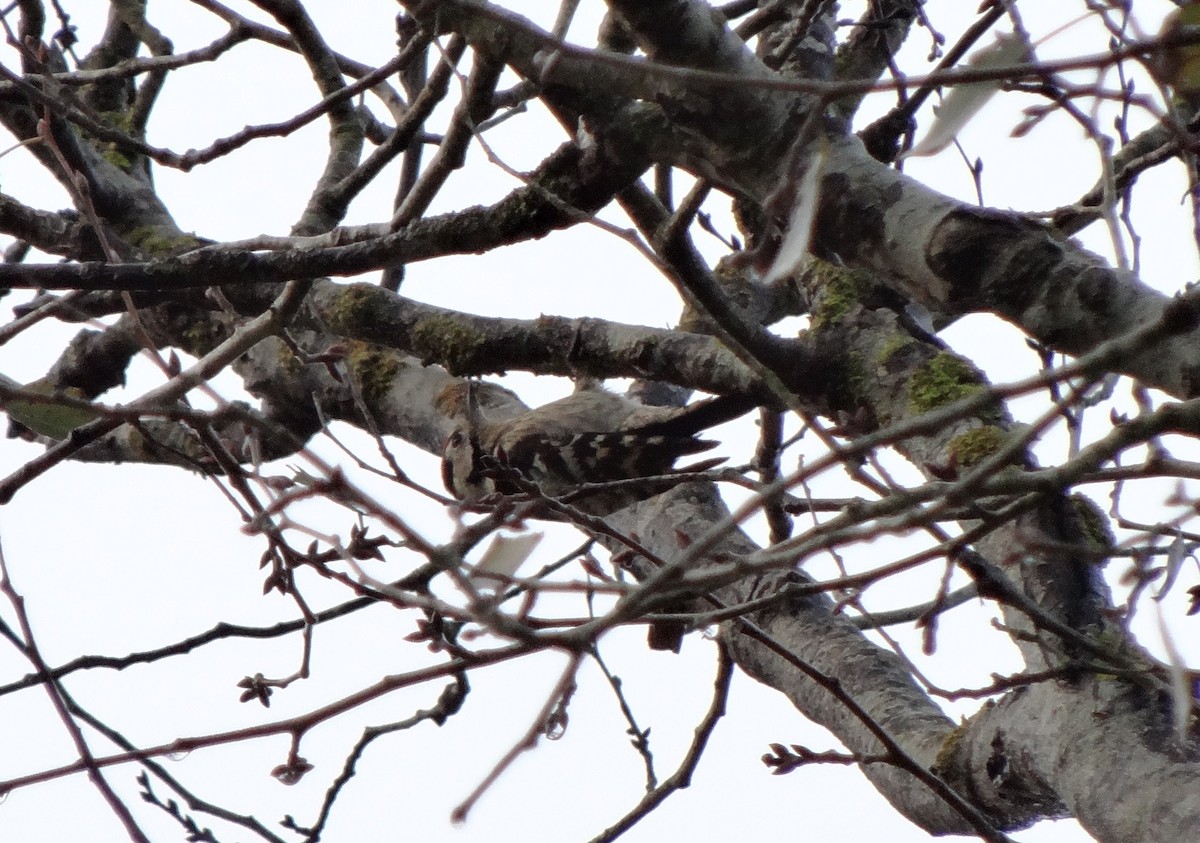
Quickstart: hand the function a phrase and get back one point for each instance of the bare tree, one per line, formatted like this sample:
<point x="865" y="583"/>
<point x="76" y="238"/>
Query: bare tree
<point x="799" y="116"/>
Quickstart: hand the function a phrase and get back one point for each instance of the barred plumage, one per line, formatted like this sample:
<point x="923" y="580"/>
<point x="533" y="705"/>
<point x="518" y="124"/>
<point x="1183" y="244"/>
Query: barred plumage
<point x="588" y="437"/>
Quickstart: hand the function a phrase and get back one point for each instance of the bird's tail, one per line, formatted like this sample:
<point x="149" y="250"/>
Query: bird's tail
<point x="702" y="415"/>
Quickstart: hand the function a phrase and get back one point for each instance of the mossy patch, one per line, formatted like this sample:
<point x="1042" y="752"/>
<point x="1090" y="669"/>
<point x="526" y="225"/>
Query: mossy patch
<point x="950" y="745"/>
<point x="355" y="305"/>
<point x="374" y="368"/>
<point x="446" y="340"/>
<point x="201" y="336"/>
<point x="976" y="445"/>
<point x="1093" y="524"/>
<point x="840" y="290"/>
<point x="946" y="378"/>
<point x="118" y="159"/>
<point x="286" y="358"/>
<point x="151" y="240"/>
<point x="110" y="151"/>
<point x="858" y="379"/>
<point x="895" y="344"/>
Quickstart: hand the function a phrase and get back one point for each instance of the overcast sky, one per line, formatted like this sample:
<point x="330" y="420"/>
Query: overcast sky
<point x="121" y="558"/>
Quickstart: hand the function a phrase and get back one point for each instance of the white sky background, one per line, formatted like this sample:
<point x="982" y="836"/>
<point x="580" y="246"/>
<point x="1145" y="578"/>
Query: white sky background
<point x="119" y="558"/>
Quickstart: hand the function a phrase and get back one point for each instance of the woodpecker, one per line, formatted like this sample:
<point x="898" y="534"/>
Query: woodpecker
<point x="591" y="436"/>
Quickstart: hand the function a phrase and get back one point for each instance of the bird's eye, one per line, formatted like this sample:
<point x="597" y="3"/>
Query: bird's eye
<point x="455" y="440"/>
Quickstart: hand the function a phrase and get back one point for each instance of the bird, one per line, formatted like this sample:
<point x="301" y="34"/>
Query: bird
<point x="591" y="436"/>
